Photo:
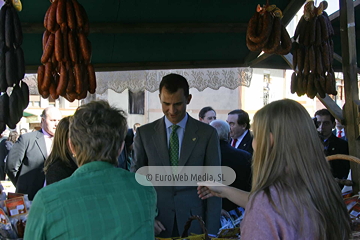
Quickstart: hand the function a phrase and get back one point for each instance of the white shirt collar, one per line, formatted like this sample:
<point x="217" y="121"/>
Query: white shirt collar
<point x="182" y="123"/>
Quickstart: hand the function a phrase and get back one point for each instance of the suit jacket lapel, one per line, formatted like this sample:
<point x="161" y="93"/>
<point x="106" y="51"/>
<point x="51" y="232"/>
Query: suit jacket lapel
<point x="40" y="142"/>
<point x="189" y="141"/>
<point x="245" y="140"/>
<point x="160" y="142"/>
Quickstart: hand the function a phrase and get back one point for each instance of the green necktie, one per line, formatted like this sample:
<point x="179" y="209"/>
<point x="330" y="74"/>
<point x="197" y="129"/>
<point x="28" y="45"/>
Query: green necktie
<point x="174" y="146"/>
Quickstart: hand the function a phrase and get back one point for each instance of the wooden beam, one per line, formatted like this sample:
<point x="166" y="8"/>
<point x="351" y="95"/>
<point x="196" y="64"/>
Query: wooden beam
<point x="349" y="63"/>
<point x="157" y="65"/>
<point x="338" y="58"/>
<point x="333" y="108"/>
<point x="291" y="10"/>
<point x="288" y="59"/>
<point x="258" y="59"/>
<point x="116" y="28"/>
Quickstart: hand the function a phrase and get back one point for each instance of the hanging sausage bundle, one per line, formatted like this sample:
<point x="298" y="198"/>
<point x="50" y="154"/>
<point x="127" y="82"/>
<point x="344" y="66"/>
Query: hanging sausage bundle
<point x="66" y="69"/>
<point x="313" y="52"/>
<point x="265" y="31"/>
<point x="12" y="69"/>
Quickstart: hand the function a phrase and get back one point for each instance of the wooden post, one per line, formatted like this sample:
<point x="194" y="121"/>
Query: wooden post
<point x="351" y="109"/>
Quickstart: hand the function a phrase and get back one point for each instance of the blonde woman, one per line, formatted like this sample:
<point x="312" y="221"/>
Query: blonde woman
<point x="293" y="195"/>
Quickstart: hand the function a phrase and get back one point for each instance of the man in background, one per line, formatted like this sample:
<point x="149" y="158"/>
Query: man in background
<point x="23" y="131"/>
<point x="241" y="137"/>
<point x="25" y="161"/>
<point x="3" y="152"/>
<point x="325" y="122"/>
<point x="339" y="130"/>
<point x="207" y="115"/>
<point x="237" y="159"/>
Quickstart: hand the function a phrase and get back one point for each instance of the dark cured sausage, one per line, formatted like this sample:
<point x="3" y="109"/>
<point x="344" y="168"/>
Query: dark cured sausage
<point x="293" y="85"/>
<point x="92" y="78"/>
<point x="18" y="35"/>
<point x="45" y="38"/>
<point x="78" y="14"/>
<point x="3" y="83"/>
<point x="71" y="21"/>
<point x="11" y="68"/>
<point x="19" y="56"/>
<point x="51" y="25"/>
<point x="59" y="47"/>
<point x="71" y="78"/>
<point x="253" y="46"/>
<point x="40" y="78"/>
<point x="266" y="29"/>
<point x="84" y="47"/>
<point x="2" y="22"/>
<point x="47" y="77"/>
<point x="63" y="81"/>
<point x="60" y="12"/>
<point x="46" y="17"/>
<point x="9" y="28"/>
<point x="275" y="37"/>
<point x="72" y="47"/>
<point x="49" y="48"/>
<point x="318" y="86"/>
<point x="52" y="91"/>
<point x="25" y="93"/>
<point x="285" y="46"/>
<point x="78" y="78"/>
<point x="295" y="48"/>
<point x="64" y="35"/>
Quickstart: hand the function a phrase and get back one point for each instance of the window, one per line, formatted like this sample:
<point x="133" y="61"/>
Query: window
<point x="34" y="101"/>
<point x="136" y="102"/>
<point x="266" y="89"/>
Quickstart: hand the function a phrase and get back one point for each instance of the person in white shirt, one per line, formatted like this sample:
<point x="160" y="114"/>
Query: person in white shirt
<point x="25" y="162"/>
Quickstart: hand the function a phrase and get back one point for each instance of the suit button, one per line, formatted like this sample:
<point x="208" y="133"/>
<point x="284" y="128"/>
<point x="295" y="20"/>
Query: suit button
<point x="174" y="194"/>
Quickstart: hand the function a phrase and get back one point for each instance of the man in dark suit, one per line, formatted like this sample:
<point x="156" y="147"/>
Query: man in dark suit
<point x="237" y="159"/>
<point x="178" y="140"/>
<point x="339" y="130"/>
<point x="332" y="145"/>
<point x="3" y="153"/>
<point x="26" y="158"/>
<point x="240" y="134"/>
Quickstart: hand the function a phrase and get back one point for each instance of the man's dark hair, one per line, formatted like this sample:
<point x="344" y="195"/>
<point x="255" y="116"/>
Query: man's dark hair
<point x="325" y="112"/>
<point x="204" y="110"/>
<point x="173" y="82"/>
<point x="243" y="117"/>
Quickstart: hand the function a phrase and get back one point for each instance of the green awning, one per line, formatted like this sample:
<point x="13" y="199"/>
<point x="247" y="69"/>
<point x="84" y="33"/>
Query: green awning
<point x="26" y="114"/>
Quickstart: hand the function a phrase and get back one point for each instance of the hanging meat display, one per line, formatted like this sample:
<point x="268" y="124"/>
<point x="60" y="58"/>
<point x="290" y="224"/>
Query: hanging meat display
<point x="66" y="69"/>
<point x="12" y="69"/>
<point x="265" y="31"/>
<point x="313" y="51"/>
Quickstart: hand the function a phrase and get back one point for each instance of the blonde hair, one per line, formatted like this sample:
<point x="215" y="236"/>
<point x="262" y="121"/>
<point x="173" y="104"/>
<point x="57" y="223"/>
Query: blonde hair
<point x="289" y="157"/>
<point x="97" y="132"/>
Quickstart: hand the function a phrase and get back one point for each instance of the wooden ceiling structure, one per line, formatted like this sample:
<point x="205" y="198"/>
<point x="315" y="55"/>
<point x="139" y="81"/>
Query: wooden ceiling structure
<point x="163" y="34"/>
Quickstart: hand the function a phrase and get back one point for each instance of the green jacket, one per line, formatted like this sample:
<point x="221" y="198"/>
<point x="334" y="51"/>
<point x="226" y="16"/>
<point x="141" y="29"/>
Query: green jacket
<point x="98" y="201"/>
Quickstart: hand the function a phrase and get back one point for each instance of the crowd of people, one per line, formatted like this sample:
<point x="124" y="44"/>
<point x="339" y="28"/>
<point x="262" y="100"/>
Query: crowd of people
<point x="80" y="171"/>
